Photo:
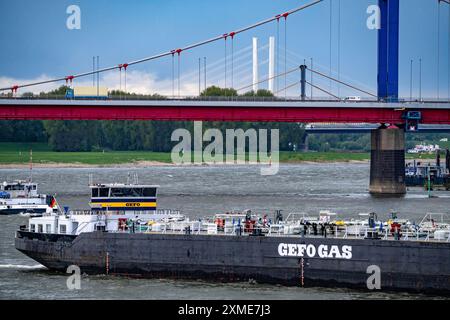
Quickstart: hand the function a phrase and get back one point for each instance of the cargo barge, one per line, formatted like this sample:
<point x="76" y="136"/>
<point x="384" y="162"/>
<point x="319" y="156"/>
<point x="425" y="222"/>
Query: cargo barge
<point x="125" y="234"/>
<point x="429" y="176"/>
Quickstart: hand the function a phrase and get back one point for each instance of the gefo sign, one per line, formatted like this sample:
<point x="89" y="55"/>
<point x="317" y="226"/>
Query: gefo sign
<point x="311" y="251"/>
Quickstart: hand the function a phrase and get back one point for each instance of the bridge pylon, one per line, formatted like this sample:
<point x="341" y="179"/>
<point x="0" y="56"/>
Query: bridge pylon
<point x="388" y="50"/>
<point x="387" y="161"/>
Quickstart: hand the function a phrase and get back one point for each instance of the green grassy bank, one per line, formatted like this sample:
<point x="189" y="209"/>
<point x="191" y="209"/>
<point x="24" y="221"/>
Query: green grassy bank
<point x="18" y="153"/>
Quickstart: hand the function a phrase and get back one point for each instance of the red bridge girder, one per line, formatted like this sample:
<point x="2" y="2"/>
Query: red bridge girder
<point x="234" y="114"/>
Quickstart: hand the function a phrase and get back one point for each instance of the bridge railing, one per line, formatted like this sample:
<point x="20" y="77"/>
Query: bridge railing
<point x="179" y="98"/>
<point x="157" y="97"/>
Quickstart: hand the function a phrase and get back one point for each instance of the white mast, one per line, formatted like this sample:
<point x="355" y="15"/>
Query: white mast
<point x="271" y="63"/>
<point x="255" y="65"/>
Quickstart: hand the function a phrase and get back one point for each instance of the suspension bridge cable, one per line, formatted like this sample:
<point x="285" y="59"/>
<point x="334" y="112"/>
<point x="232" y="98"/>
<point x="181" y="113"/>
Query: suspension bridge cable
<point x="323" y="90"/>
<point x="312" y="74"/>
<point x="216" y="68"/>
<point x="217" y="76"/>
<point x="164" y="54"/>
<point x="225" y="62"/>
<point x="125" y="80"/>
<point x="98" y="75"/>
<point x="204" y="72"/>
<point x="244" y="74"/>
<point x="420" y="79"/>
<point x="278" y="52"/>
<point x="296" y="57"/>
<point x="339" y="47"/>
<point x="288" y="87"/>
<point x="199" y="77"/>
<point x="173" y="76"/>
<point x="331" y="34"/>
<point x="93" y="69"/>
<point x="179" y="60"/>
<point x="341" y="82"/>
<point x="241" y="61"/>
<point x="267" y="79"/>
<point x="232" y="62"/>
<point x="244" y="80"/>
<point x="411" y="81"/>
<point x="285" y="55"/>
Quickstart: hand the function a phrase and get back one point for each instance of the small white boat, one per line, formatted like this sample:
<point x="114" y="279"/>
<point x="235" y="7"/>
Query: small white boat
<point x="21" y="197"/>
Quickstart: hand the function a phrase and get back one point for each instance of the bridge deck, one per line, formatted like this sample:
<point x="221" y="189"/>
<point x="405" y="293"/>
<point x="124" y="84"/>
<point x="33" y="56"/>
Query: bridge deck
<point x="188" y="110"/>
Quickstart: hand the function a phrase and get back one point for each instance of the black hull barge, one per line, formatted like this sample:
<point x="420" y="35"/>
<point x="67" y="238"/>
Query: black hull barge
<point x="124" y="234"/>
<point x="404" y="265"/>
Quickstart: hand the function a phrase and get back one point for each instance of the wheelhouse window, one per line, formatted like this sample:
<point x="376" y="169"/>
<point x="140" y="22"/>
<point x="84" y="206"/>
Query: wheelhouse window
<point x="40" y="228"/>
<point x="14" y="187"/>
<point x="62" y="228"/>
<point x="95" y="193"/>
<point x="149" y="192"/>
<point x="32" y="227"/>
<point x="133" y="192"/>
<point x="104" y="192"/>
<point x="121" y="192"/>
<point x="48" y="228"/>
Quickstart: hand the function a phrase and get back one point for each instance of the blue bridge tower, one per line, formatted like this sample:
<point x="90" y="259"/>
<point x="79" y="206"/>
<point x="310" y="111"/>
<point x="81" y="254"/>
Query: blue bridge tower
<point x="388" y="49"/>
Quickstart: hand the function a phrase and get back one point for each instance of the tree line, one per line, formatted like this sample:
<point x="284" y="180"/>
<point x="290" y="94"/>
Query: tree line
<point x="132" y="135"/>
<point x="156" y="135"/>
<point x="127" y="135"/>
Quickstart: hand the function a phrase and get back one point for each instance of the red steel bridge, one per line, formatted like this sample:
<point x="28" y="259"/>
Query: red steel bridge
<point x="384" y="108"/>
<point x="209" y="110"/>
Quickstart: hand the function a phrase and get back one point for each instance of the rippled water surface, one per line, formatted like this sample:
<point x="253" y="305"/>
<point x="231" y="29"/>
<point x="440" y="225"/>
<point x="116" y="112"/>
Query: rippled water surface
<point x="200" y="191"/>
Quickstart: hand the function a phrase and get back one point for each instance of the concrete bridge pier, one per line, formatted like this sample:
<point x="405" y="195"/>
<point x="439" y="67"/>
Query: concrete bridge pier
<point x="387" y="161"/>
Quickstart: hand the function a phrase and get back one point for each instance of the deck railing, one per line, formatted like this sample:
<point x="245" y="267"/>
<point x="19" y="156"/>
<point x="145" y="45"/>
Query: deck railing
<point x="341" y="232"/>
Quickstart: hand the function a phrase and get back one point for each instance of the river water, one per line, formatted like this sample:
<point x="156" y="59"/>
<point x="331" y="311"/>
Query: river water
<point x="203" y="191"/>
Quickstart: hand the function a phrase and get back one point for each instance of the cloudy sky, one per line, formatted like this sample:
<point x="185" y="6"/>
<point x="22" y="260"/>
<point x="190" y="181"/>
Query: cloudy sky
<point x="36" y="43"/>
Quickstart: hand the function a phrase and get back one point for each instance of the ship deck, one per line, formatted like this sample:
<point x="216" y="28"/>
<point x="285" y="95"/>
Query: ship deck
<point x="339" y="233"/>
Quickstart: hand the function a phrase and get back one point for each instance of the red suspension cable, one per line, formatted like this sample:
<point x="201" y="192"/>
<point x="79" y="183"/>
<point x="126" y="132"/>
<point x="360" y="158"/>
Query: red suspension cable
<point x="258" y="24"/>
